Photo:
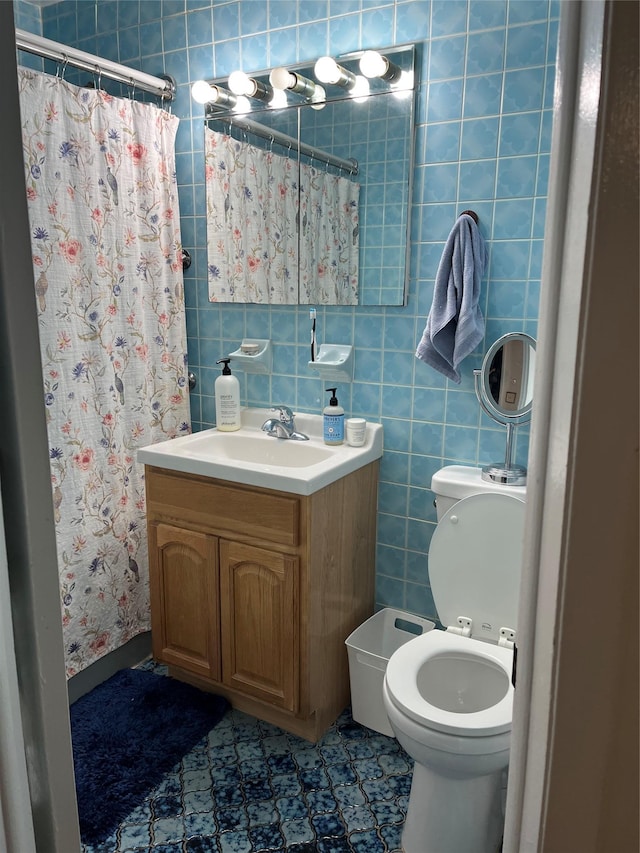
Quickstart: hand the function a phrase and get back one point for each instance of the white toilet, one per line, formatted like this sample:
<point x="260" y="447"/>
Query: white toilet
<point x="448" y="694"/>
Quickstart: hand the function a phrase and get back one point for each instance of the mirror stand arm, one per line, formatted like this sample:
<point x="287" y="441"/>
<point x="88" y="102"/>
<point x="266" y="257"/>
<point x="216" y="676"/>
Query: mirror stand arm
<point x="508" y="451"/>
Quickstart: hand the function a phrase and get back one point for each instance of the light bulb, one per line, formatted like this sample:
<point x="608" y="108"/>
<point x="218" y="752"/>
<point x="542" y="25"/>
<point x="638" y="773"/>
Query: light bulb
<point x="318" y="99"/>
<point x="281" y="78"/>
<point x="239" y="83"/>
<point x="405" y="81"/>
<point x="404" y="87"/>
<point x="373" y="64"/>
<point x="278" y="100"/>
<point x="202" y="92"/>
<point x="360" y="90"/>
<point x="242" y="105"/>
<point x="327" y="70"/>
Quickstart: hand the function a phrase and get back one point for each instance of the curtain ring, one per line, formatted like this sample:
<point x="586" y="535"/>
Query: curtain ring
<point x="133" y="88"/>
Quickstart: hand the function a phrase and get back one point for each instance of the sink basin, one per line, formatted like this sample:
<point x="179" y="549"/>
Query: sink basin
<point x="257" y="449"/>
<point x="252" y="457"/>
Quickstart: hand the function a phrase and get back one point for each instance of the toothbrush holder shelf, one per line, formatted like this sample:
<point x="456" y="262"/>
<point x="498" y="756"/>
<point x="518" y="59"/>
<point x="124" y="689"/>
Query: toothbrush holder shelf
<point x="334" y="363"/>
<point x="253" y="356"/>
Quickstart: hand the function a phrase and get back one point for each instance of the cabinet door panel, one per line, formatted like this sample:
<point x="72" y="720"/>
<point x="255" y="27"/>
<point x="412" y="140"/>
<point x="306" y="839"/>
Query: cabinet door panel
<point x="259" y="615"/>
<point x="184" y="599"/>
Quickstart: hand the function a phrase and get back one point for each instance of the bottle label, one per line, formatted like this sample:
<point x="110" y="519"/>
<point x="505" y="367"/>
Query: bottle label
<point x="228" y="409"/>
<point x="333" y="429"/>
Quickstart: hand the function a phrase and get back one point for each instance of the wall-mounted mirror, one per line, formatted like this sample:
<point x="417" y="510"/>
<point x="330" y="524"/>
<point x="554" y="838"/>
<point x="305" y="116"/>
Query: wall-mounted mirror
<point x="504" y="387"/>
<point x="309" y="203"/>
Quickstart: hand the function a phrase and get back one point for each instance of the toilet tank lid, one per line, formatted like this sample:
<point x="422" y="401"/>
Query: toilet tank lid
<point x="460" y="481"/>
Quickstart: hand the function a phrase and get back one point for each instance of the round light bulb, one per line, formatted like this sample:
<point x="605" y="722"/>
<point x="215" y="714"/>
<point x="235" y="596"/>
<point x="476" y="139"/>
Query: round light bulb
<point x="318" y="98"/>
<point x="326" y="70"/>
<point x="372" y="64"/>
<point x="278" y="99"/>
<point x="281" y="78"/>
<point x="202" y="92"/>
<point x="240" y="83"/>
<point x="242" y="105"/>
<point x="404" y="87"/>
<point x="361" y="89"/>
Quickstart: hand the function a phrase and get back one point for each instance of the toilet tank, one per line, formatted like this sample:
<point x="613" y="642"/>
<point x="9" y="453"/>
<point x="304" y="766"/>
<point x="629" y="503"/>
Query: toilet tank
<point x="454" y="482"/>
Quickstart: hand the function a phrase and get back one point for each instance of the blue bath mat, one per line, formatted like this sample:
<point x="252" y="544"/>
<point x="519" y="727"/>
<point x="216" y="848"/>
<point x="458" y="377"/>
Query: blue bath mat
<point x="127" y="734"/>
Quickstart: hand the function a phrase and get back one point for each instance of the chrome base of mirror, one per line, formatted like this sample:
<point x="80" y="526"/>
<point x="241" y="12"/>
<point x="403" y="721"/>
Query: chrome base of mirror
<point x="511" y="475"/>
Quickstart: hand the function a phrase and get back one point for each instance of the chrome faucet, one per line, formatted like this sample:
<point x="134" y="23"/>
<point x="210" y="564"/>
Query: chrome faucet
<point x="284" y="425"/>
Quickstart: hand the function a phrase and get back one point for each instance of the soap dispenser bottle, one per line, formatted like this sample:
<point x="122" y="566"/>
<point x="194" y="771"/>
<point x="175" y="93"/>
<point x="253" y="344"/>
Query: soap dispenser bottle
<point x="333" y="420"/>
<point x="227" y="393"/>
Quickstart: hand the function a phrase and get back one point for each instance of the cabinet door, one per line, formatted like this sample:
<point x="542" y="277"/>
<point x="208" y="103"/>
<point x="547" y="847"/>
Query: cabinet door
<point x="184" y="599"/>
<point x="259" y="618"/>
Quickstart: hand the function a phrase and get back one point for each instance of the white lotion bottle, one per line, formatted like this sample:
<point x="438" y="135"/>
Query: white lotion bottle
<point x="227" y="394"/>
<point x="333" y="421"/>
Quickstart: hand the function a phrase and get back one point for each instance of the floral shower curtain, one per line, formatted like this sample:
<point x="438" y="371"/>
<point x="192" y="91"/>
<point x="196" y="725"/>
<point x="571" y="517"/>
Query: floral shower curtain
<point x="256" y="252"/>
<point x="329" y="238"/>
<point x="108" y="276"/>
<point x="252" y="208"/>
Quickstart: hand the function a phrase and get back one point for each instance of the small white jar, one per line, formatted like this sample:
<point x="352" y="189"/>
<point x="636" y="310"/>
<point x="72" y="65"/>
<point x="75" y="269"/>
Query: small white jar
<point x="356" y="429"/>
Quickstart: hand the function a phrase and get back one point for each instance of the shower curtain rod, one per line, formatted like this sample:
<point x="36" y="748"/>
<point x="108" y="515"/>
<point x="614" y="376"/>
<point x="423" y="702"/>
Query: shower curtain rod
<point x="162" y="87"/>
<point x="277" y="136"/>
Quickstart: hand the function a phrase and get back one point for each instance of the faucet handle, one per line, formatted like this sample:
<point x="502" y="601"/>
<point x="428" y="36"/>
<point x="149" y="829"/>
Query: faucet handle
<point x="286" y="415"/>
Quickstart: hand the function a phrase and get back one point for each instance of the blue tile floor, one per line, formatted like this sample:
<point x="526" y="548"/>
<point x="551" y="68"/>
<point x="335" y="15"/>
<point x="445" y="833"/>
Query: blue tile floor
<point x="249" y="786"/>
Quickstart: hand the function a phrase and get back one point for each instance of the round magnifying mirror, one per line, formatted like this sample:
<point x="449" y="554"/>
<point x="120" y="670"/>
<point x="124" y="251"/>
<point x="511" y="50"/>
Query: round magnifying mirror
<point x="504" y="386"/>
<point x="506" y="380"/>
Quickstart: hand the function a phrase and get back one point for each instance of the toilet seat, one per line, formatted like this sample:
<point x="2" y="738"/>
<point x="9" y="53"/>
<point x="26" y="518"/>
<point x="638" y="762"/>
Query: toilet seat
<point x="475" y="557"/>
<point x="403" y="682"/>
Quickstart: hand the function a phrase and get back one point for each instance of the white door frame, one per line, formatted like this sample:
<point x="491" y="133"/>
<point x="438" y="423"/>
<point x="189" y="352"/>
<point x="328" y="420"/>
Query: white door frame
<point x="573" y="772"/>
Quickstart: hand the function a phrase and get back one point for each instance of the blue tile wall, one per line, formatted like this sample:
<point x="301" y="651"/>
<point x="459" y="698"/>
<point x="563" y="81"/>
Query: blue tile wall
<point x="484" y="112"/>
<point x="27" y="16"/>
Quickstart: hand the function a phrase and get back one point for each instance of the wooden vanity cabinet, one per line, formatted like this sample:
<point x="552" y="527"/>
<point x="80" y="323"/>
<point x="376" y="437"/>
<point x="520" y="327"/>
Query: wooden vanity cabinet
<point x="254" y="591"/>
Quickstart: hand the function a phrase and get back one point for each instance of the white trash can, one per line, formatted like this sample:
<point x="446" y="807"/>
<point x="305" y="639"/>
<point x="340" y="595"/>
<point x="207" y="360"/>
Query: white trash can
<point x="369" y="648"/>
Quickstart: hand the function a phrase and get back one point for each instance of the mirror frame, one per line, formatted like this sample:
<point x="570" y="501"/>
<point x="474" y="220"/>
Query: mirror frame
<point x="483" y="390"/>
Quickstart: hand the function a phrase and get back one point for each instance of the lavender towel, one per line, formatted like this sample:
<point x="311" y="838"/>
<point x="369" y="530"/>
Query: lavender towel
<point x="455" y="325"/>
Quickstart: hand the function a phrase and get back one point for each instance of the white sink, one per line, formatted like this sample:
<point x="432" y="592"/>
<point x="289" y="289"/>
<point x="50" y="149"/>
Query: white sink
<point x="252" y="457"/>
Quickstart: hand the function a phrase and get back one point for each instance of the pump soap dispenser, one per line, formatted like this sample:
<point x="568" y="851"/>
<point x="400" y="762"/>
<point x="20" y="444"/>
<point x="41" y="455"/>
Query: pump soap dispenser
<point x="227" y="393"/>
<point x="333" y="420"/>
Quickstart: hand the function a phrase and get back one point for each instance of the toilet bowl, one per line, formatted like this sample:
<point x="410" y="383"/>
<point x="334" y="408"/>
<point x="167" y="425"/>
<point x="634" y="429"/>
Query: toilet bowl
<point x="448" y="694"/>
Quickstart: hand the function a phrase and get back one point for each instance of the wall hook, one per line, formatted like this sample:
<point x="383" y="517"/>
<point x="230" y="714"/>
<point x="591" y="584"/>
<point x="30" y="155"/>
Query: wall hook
<point x="472" y="214"/>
